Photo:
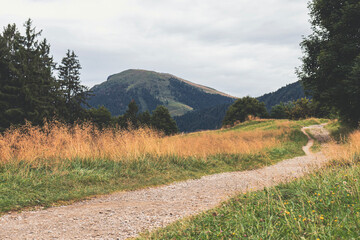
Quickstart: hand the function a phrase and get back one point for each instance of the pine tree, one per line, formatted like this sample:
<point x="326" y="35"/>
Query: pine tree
<point x="26" y="82"/>
<point x="130" y="115"/>
<point x="35" y="74"/>
<point x="162" y="121"/>
<point x="74" y="95"/>
<point x="145" y="119"/>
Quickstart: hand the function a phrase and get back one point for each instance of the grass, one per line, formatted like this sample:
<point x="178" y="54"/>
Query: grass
<point x="338" y="131"/>
<point x="323" y="205"/>
<point x="54" y="180"/>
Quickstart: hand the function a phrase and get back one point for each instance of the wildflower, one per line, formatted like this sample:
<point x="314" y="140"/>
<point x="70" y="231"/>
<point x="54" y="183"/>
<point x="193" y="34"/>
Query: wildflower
<point x="295" y="219"/>
<point x="287" y="212"/>
<point x="313" y="211"/>
<point x="304" y="219"/>
<point x="322" y="218"/>
<point x="335" y="220"/>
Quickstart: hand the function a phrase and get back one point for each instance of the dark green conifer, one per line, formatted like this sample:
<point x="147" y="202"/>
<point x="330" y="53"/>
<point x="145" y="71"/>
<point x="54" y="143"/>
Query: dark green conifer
<point x="162" y="121"/>
<point x="74" y="95"/>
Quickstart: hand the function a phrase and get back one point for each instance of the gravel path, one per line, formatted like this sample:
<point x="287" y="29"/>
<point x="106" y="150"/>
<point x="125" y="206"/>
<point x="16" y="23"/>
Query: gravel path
<point x="126" y="214"/>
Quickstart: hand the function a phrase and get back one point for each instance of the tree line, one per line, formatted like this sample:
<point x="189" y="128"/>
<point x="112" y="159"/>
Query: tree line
<point x="160" y="119"/>
<point x="31" y="91"/>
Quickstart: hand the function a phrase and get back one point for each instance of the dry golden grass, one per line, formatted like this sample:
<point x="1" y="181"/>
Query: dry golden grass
<point x="56" y="141"/>
<point x="347" y="153"/>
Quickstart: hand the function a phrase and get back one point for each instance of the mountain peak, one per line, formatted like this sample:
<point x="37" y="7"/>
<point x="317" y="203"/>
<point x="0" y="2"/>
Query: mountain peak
<point x="150" y="88"/>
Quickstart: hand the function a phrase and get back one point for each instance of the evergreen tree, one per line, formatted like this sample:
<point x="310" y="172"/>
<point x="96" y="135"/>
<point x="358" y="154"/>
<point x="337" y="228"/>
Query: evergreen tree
<point x="330" y="70"/>
<point x="74" y="94"/>
<point x="10" y="109"/>
<point x="162" y="121"/>
<point x="145" y="118"/>
<point x="26" y="82"/>
<point x="130" y="115"/>
<point x="242" y="108"/>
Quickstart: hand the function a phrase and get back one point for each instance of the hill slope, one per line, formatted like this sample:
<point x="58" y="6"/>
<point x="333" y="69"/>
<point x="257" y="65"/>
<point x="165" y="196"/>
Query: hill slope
<point x="211" y="118"/>
<point x="150" y="89"/>
<point x="290" y="92"/>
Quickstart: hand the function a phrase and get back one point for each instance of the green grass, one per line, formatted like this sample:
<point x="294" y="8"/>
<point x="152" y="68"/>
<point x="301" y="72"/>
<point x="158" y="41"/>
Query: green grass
<point x="316" y="147"/>
<point x="26" y="185"/>
<point x="324" y="205"/>
<point x="339" y="131"/>
<point x="271" y="124"/>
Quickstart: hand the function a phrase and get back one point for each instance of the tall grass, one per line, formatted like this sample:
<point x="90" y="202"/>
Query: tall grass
<point x="348" y="153"/>
<point x="55" y="142"/>
<point x="57" y="163"/>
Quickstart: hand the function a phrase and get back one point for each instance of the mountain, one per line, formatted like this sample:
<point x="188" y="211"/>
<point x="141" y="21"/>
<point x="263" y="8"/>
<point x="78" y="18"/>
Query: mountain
<point x="150" y="89"/>
<point x="211" y="118"/>
<point x="290" y="92"/>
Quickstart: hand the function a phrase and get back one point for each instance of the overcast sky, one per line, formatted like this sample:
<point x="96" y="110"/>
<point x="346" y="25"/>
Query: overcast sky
<point x="240" y="47"/>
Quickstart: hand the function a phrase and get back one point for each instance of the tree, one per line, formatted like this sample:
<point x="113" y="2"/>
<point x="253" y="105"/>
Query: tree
<point x="162" y="121"/>
<point x="145" y="118"/>
<point x="130" y="116"/>
<point x="100" y="116"/>
<point x="242" y="108"/>
<point x="27" y="85"/>
<point x="74" y="95"/>
<point x="280" y="111"/>
<point x="301" y="109"/>
<point x="330" y="69"/>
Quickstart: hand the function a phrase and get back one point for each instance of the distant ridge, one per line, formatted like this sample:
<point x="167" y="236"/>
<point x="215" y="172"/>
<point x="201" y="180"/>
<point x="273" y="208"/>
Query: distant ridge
<point x="290" y="92"/>
<point x="211" y="118"/>
<point x="150" y="89"/>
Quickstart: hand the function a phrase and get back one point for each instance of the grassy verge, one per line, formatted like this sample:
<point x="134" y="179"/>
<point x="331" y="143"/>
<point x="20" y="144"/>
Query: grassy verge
<point x="25" y="184"/>
<point x="324" y="205"/>
<point x="338" y="131"/>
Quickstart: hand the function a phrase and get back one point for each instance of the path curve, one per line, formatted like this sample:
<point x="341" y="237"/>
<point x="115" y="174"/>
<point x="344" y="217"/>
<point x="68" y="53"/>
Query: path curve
<point x="126" y="214"/>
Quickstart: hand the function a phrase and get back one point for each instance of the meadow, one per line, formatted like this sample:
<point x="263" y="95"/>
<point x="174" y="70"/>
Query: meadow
<point x="322" y="205"/>
<point x="57" y="164"/>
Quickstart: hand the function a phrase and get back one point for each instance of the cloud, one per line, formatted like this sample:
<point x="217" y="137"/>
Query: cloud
<point x="241" y="47"/>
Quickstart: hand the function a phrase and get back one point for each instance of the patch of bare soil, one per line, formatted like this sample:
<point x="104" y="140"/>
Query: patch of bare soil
<point x="126" y="214"/>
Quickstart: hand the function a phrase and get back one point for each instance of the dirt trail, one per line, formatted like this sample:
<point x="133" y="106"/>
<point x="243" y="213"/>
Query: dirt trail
<point x="126" y="214"/>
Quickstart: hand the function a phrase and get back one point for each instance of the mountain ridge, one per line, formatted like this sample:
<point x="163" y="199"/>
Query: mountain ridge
<point x="149" y="89"/>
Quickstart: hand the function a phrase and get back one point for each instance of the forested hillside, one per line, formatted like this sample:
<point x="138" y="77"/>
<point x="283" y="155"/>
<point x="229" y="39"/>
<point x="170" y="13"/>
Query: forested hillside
<point x="290" y="92"/>
<point x="211" y="118"/>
